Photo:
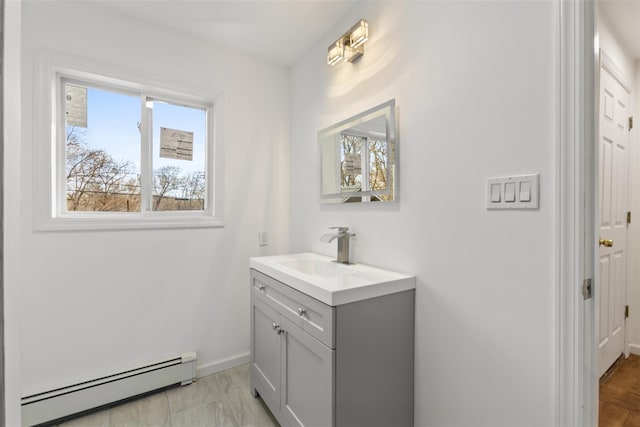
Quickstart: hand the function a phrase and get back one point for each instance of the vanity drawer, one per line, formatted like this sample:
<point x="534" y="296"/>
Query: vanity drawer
<point x="306" y="312"/>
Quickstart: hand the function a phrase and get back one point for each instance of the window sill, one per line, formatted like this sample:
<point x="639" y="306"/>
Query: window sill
<point x="108" y="221"/>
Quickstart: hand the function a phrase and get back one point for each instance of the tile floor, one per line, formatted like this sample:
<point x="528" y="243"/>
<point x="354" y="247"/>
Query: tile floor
<point x="222" y="399"/>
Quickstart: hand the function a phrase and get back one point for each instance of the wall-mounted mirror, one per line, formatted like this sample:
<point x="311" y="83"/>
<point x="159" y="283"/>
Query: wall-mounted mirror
<point x="358" y="157"/>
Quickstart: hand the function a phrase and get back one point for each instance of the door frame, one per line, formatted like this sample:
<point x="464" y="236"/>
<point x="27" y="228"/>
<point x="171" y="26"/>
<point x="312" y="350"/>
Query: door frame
<point x="12" y="122"/>
<point x="2" y="393"/>
<point x="578" y="72"/>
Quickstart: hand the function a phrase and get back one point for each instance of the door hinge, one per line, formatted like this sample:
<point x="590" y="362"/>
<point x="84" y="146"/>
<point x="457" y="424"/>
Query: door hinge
<point x="626" y="311"/>
<point x="628" y="217"/>
<point x="630" y="123"/>
<point x="586" y="289"/>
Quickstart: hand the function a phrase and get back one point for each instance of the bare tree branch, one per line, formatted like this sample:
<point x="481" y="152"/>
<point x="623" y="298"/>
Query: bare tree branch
<point x="165" y="180"/>
<point x="94" y="172"/>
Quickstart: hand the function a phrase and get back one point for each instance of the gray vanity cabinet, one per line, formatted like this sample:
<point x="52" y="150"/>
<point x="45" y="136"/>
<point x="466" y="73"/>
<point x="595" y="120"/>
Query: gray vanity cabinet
<point x="320" y="365"/>
<point x="286" y="362"/>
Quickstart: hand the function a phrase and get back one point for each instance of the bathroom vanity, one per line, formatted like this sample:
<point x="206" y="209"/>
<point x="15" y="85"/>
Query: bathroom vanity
<point x="332" y="344"/>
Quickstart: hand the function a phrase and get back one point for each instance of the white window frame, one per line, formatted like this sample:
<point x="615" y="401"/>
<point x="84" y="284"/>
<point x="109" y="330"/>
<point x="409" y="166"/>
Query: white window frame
<point x="50" y="160"/>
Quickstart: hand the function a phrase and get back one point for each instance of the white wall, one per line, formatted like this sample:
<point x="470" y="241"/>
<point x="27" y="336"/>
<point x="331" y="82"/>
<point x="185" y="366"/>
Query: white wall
<point x="609" y="41"/>
<point x="475" y="87"/>
<point x="618" y="53"/>
<point x="99" y="302"/>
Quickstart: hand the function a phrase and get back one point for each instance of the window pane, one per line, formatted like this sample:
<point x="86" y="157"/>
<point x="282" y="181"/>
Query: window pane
<point x="102" y="150"/>
<point x="179" y="140"/>
<point x="351" y="162"/>
<point x="378" y="168"/>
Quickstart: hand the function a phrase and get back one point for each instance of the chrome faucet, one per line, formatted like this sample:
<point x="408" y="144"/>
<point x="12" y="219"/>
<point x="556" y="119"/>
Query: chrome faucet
<point x="343" y="236"/>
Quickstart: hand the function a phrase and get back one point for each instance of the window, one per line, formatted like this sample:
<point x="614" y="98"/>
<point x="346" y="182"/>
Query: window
<point x="126" y="155"/>
<point x="365" y="155"/>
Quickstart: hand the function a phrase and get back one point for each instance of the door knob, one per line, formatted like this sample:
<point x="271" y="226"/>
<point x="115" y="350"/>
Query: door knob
<point x="607" y="243"/>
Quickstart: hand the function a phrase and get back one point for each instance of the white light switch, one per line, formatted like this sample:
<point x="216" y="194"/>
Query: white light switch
<point x="510" y="192"/>
<point x="513" y="192"/>
<point x="495" y="193"/>
<point x="525" y="191"/>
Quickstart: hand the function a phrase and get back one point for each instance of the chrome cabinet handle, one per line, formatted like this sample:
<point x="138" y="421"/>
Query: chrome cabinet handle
<point x="261" y="287"/>
<point x="302" y="311"/>
<point x="277" y="328"/>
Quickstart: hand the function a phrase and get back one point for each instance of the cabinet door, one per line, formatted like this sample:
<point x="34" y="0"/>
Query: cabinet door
<point x="266" y="350"/>
<point x="307" y="379"/>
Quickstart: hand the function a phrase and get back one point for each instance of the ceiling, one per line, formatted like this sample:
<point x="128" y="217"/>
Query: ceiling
<point x="277" y="30"/>
<point x="623" y="17"/>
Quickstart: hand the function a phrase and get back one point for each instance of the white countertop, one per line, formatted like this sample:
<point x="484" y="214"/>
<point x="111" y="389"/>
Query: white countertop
<point x="322" y="278"/>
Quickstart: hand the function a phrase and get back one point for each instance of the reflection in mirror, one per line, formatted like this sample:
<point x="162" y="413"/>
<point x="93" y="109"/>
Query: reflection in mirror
<point x="358" y="157"/>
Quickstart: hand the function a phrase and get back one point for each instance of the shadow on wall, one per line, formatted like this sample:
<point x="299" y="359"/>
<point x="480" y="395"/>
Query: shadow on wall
<point x="345" y="80"/>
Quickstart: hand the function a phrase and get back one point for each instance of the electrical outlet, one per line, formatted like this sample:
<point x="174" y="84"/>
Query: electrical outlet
<point x="263" y="238"/>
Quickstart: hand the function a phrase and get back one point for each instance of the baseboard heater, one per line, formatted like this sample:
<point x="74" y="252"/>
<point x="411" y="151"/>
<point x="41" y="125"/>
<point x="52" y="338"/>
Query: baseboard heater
<point x="62" y="402"/>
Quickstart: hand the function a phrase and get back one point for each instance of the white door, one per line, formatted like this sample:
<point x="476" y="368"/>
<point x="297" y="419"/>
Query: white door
<point x="613" y="204"/>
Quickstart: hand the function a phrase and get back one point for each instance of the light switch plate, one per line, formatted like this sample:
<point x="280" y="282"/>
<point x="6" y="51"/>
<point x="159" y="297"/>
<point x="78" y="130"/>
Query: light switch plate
<point x="526" y="196"/>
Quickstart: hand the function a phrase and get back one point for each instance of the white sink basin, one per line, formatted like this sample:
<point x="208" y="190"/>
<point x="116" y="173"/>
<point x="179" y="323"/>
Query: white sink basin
<point x="316" y="267"/>
<point x="325" y="280"/>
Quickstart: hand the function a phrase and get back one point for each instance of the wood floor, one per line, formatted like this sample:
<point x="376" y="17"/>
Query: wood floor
<point x="620" y="394"/>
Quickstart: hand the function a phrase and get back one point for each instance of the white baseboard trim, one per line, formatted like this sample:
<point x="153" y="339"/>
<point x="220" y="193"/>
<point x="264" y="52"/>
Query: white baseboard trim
<point x="223" y="364"/>
<point x="87" y="395"/>
<point x="634" y="349"/>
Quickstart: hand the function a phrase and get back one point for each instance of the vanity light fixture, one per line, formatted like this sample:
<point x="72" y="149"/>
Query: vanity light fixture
<point x="359" y="33"/>
<point x="350" y="46"/>
<point x="336" y="53"/>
